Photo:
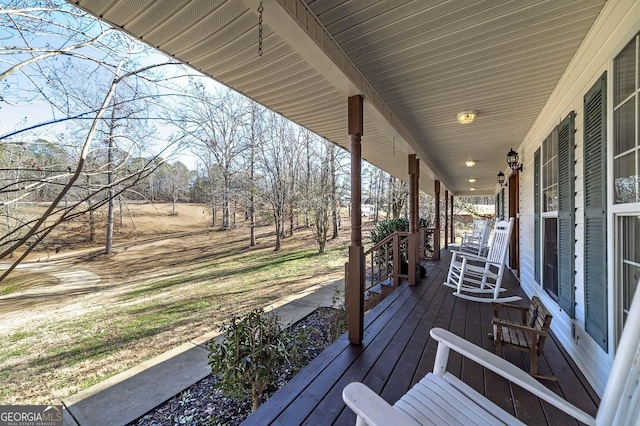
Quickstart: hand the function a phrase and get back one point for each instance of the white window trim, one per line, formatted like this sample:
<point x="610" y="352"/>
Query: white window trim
<point x="615" y="210"/>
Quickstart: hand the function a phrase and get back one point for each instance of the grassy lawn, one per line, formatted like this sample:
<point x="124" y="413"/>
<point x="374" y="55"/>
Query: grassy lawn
<point x="21" y="280"/>
<point x="156" y="294"/>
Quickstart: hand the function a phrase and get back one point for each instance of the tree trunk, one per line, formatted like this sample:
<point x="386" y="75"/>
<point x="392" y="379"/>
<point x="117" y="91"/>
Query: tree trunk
<point x="334" y="203"/>
<point x="291" y="218"/>
<point x="109" y="233"/>
<point x="235" y="212"/>
<point x="120" y="202"/>
<point x="307" y="185"/>
<point x="92" y="219"/>
<point x="255" y="399"/>
<point x="278" y="221"/>
<point x="252" y="204"/>
<point x="226" y="207"/>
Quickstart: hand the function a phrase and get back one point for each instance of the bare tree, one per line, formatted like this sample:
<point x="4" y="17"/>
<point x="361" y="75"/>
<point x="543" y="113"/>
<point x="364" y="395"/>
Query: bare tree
<point x="179" y="183"/>
<point x="256" y="113"/>
<point x="398" y="193"/>
<point x="339" y="174"/>
<point x="47" y="44"/>
<point x="320" y="194"/>
<point x="277" y="149"/>
<point x="306" y="137"/>
<point x="213" y="122"/>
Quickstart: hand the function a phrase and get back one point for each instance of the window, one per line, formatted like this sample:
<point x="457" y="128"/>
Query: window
<point x="629" y="267"/>
<point x="626" y="155"/>
<point x="550" y="214"/>
<point x="625" y="116"/>
<point x="550" y="172"/>
<point x="557" y="213"/>
<point x="550" y="256"/>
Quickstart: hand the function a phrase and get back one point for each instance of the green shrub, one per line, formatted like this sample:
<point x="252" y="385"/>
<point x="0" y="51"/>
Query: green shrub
<point x="254" y="347"/>
<point x="336" y="318"/>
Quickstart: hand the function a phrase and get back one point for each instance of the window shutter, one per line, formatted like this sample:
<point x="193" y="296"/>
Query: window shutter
<point x="595" y="212"/>
<point x="502" y="204"/>
<point x="566" y="215"/>
<point x="536" y="214"/>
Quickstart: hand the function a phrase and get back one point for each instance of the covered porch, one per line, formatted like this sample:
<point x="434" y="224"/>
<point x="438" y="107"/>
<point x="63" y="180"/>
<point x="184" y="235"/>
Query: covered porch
<point x="387" y="80"/>
<point x="396" y="352"/>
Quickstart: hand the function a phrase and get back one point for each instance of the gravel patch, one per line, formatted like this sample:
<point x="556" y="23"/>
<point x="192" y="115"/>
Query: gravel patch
<point x="201" y="404"/>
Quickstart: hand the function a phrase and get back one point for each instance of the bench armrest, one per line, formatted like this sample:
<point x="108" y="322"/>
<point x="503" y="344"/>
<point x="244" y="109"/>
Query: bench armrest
<point x="497" y="305"/>
<point x="506" y="370"/>
<point x="371" y="408"/>
<point x="515" y="325"/>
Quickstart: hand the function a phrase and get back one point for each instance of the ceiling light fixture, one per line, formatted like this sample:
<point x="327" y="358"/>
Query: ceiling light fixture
<point x="472" y="180"/>
<point x="467" y="117"/>
<point x="469" y="163"/>
<point x="472" y="189"/>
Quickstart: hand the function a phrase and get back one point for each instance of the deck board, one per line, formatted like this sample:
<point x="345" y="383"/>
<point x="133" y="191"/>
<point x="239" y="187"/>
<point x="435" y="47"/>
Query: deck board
<point x="397" y="352"/>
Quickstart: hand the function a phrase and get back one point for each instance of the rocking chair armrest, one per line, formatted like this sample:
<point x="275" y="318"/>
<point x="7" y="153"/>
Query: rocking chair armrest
<point x="508" y="371"/>
<point x="474" y="257"/>
<point x="515" y="325"/>
<point x="371" y="407"/>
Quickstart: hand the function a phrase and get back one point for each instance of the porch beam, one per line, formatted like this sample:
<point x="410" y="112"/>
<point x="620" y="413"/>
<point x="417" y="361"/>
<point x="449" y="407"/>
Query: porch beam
<point x="355" y="275"/>
<point x="436" y="220"/>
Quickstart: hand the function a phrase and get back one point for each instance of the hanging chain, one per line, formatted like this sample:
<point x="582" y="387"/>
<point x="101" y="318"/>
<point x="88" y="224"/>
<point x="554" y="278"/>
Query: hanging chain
<point x="260" y="10"/>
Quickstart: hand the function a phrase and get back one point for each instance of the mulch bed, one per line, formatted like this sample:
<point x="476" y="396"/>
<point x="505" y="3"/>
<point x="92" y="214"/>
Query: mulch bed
<point x="202" y="404"/>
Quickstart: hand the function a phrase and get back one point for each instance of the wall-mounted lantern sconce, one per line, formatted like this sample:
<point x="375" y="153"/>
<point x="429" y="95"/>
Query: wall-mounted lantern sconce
<point x="501" y="179"/>
<point x="512" y="160"/>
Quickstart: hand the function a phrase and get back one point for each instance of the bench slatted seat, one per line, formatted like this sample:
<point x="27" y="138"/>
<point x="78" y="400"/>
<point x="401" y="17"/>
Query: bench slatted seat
<point x="527" y="335"/>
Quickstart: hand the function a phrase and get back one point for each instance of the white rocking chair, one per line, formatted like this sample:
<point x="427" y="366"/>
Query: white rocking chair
<point x="479" y="278"/>
<point x="442" y="398"/>
<point x="477" y="240"/>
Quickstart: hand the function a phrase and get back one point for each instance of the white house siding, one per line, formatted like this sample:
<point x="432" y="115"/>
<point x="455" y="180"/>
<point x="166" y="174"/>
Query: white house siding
<point x="617" y="24"/>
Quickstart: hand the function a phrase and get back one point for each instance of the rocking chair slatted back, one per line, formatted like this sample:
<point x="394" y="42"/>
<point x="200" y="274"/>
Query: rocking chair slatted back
<point x="500" y="245"/>
<point x="476" y="241"/>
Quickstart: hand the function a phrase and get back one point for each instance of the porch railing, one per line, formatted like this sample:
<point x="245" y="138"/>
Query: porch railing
<point x="383" y="261"/>
<point x="386" y="262"/>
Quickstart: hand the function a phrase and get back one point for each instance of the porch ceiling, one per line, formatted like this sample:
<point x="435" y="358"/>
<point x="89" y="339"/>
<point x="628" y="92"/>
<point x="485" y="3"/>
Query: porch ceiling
<point x="417" y="63"/>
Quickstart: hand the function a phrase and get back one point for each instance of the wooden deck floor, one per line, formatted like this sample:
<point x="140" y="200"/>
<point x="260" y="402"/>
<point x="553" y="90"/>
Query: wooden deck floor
<point x="397" y="351"/>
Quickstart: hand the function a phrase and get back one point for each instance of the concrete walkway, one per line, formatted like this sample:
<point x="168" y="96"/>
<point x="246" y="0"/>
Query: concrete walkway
<point x="132" y="393"/>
